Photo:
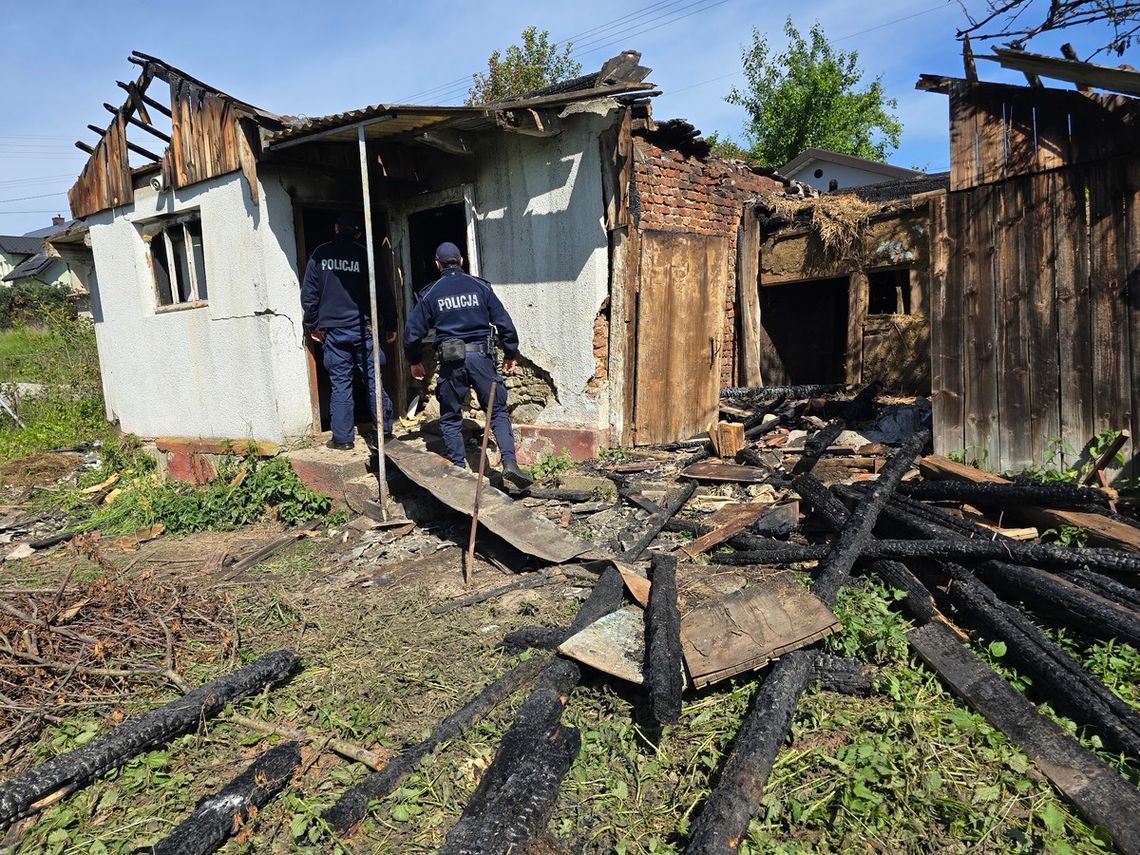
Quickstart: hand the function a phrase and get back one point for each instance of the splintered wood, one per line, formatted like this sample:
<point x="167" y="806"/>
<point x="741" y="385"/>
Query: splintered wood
<point x="745" y="630"/>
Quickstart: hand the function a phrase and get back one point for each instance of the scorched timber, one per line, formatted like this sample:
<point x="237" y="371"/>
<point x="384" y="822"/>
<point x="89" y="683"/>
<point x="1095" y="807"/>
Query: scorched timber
<point x="516" y="795"/>
<point x="828" y="509"/>
<point x="795" y="392"/>
<point x="217" y="817"/>
<point x="1005" y="495"/>
<point x="1063" y="601"/>
<point x="658" y="523"/>
<point x="1072" y="690"/>
<point x="855" y="535"/>
<point x="723" y="821"/>
<point x="663" y="642"/>
<point x="1100" y="795"/>
<point x="817" y="444"/>
<point x="351" y="807"/>
<point x="76" y="768"/>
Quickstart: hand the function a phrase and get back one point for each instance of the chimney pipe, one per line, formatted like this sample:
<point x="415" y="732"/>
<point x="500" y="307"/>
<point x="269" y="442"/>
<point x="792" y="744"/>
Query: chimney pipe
<point x="57" y="220"/>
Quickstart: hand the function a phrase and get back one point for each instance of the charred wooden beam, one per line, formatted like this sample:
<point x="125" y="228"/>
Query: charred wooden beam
<point x="233" y="807"/>
<point x="115" y="111"/>
<point x="923" y="520"/>
<point x="145" y="99"/>
<point x="861" y="407"/>
<point x="1108" y="454"/>
<point x="1101" y="795"/>
<point x="138" y="149"/>
<point x="663" y="641"/>
<point x="76" y="768"/>
<point x="136" y="102"/>
<point x="657" y="522"/>
<point x="1104" y="586"/>
<point x="351" y="807"/>
<point x="857" y="532"/>
<point x="841" y="674"/>
<point x="84" y="147"/>
<point x="763" y="411"/>
<point x="918" y="604"/>
<point x="828" y="509"/>
<point x="100" y="131"/>
<point x="1063" y="601"/>
<point x="817" y="444"/>
<point x="793" y="392"/>
<point x="1072" y="690"/>
<point x="723" y="821"/>
<point x="1005" y="495"/>
<point x="516" y="794"/>
<point x="538" y="637"/>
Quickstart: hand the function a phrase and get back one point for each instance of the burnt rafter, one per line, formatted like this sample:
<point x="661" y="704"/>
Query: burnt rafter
<point x="138" y="124"/>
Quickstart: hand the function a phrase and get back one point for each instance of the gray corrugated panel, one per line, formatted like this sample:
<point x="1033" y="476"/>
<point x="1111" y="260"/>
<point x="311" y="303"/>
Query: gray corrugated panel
<point x="29" y="267"/>
<point x="21" y="244"/>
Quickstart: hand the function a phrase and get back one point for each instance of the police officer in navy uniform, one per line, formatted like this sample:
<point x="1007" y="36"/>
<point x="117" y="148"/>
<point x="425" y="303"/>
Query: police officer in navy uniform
<point x="337" y="315"/>
<point x="462" y="310"/>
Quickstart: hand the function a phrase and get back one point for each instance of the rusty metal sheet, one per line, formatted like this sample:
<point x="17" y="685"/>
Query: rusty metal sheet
<point x="614" y="644"/>
<point x="745" y="630"/>
<point x="521" y="527"/>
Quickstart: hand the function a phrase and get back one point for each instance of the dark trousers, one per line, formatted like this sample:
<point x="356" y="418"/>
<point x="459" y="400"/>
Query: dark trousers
<point x="346" y="351"/>
<point x="455" y="380"/>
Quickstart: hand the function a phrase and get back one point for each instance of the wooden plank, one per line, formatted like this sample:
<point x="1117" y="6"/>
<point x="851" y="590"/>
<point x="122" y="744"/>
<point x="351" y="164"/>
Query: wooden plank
<point x="748" y="297"/>
<point x="1101" y="530"/>
<point x="857" y="300"/>
<point x="981" y="333"/>
<point x="521" y="527"/>
<point x="1013" y="272"/>
<point x="1108" y="281"/>
<point x="964" y="167"/>
<point x="1100" y="794"/>
<point x="946" y="281"/>
<point x="1070" y="259"/>
<point x="680" y="334"/>
<point x="1132" y="266"/>
<point x="729" y="439"/>
<point x="1041" y="317"/>
<point x="746" y="629"/>
<point x="733" y="472"/>
<point x="731" y="520"/>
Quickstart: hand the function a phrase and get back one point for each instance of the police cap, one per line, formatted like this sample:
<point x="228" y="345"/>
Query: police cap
<point x="350" y="221"/>
<point x="448" y="251"/>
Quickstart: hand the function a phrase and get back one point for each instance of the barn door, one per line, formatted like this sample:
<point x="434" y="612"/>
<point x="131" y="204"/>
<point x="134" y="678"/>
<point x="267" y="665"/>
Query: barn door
<point x="680" y="335"/>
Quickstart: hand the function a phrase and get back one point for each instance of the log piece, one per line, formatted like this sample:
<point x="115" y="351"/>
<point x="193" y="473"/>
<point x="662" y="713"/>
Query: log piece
<point x="723" y="821"/>
<point x="135" y="735"/>
<point x="539" y="637"/>
<point x="729" y="439"/>
<point x="817" y="444"/>
<point x="841" y="674"/>
<point x="1098" y="792"/>
<point x="663" y="666"/>
<point x="657" y="523"/>
<point x="1072" y="690"/>
<point x="761" y="393"/>
<point x="828" y="509"/>
<point x="1005" y="495"/>
<point x="216" y="817"/>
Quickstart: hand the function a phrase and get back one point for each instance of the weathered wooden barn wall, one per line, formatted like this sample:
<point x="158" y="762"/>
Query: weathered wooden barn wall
<point x="1036" y="322"/>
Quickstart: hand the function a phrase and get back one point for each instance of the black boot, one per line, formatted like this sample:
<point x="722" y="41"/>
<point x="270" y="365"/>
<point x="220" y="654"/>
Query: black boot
<point x="515" y="475"/>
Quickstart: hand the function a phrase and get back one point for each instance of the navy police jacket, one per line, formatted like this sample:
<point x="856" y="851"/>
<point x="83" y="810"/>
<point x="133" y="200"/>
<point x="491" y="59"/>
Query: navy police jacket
<point x="334" y="293"/>
<point x="458" y="305"/>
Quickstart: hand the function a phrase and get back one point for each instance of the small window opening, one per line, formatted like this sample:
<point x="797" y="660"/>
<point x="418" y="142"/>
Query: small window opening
<point x="178" y="260"/>
<point x="818" y="173"/>
<point x="888" y="292"/>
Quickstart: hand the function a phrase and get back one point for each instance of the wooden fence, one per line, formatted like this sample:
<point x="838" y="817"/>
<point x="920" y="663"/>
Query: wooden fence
<point x="1035" y="335"/>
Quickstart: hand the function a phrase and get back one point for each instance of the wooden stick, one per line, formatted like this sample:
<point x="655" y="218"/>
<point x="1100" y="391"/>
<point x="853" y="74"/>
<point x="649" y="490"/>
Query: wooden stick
<point x="346" y="749"/>
<point x="469" y="562"/>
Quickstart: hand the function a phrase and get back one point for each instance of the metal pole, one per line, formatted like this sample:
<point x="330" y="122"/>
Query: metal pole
<point x="469" y="563"/>
<point x="381" y="469"/>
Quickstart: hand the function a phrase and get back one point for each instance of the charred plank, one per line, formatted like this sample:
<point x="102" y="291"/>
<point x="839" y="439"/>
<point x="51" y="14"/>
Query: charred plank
<point x="77" y="768"/>
<point x="794" y="392"/>
<point x="1005" y="495"/>
<point x="658" y="521"/>
<point x="216" y="817"/>
<point x="663" y="641"/>
<point x="817" y="444"/>
<point x="723" y="820"/>
<point x="841" y="674"/>
<point x="828" y="509"/>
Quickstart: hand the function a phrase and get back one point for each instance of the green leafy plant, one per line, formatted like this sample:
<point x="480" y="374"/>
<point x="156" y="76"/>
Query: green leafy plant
<point x="532" y="64"/>
<point x="613" y="455"/>
<point x="1066" y="535"/>
<point x="979" y="458"/>
<point x="550" y="466"/>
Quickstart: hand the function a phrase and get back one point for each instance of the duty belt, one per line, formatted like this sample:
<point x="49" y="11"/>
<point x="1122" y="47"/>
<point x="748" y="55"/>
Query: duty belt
<point x="476" y="347"/>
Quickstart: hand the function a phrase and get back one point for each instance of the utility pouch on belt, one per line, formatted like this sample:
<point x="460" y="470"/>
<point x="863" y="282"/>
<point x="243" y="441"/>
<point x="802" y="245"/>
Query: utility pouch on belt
<point x="452" y="350"/>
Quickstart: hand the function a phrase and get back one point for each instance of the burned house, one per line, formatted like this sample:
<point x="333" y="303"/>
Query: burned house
<point x="610" y="238"/>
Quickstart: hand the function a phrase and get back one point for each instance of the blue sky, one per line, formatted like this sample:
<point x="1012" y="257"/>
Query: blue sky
<point x="62" y="60"/>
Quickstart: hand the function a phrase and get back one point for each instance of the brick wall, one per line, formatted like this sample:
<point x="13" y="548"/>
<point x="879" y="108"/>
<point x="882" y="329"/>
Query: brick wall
<point x="676" y="193"/>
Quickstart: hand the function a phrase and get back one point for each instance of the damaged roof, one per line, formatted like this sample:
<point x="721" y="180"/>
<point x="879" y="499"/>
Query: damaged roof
<point x="20" y="244"/>
<point x="32" y="266"/>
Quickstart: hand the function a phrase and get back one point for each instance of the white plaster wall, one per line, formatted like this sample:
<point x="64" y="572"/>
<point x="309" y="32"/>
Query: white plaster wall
<point x="232" y="369"/>
<point x="848" y="176"/>
<point x="543" y="245"/>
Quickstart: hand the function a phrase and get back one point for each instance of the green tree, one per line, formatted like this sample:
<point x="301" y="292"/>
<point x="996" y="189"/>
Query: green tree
<point x="809" y="96"/>
<point x="534" y="63"/>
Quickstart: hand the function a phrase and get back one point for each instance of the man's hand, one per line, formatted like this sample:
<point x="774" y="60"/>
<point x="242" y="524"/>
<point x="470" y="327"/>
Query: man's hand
<point x="509" y="365"/>
<point x="318" y="336"/>
<point x="418" y="372"/>
<point x="390" y="337"/>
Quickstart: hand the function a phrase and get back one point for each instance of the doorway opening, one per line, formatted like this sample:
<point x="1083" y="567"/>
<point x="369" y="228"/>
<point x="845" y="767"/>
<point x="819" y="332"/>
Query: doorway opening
<point x="316" y="225"/>
<point x="429" y="228"/>
<point x="807" y="325"/>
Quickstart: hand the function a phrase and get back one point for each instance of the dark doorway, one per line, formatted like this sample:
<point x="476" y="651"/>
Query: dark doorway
<point x="807" y="324"/>
<point x="315" y="226"/>
<point x="426" y="231"/>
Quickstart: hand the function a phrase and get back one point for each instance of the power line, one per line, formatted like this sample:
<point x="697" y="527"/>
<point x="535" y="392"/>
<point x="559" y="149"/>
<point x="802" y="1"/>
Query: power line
<point x="41" y="196"/>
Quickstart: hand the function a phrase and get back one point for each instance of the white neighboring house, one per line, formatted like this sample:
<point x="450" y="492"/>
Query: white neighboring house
<point x="818" y="167"/>
<point x="30" y="258"/>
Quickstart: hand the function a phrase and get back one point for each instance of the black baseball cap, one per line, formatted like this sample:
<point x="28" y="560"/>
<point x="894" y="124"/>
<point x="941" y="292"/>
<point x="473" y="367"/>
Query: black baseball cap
<point x="350" y="221"/>
<point x="448" y="251"/>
